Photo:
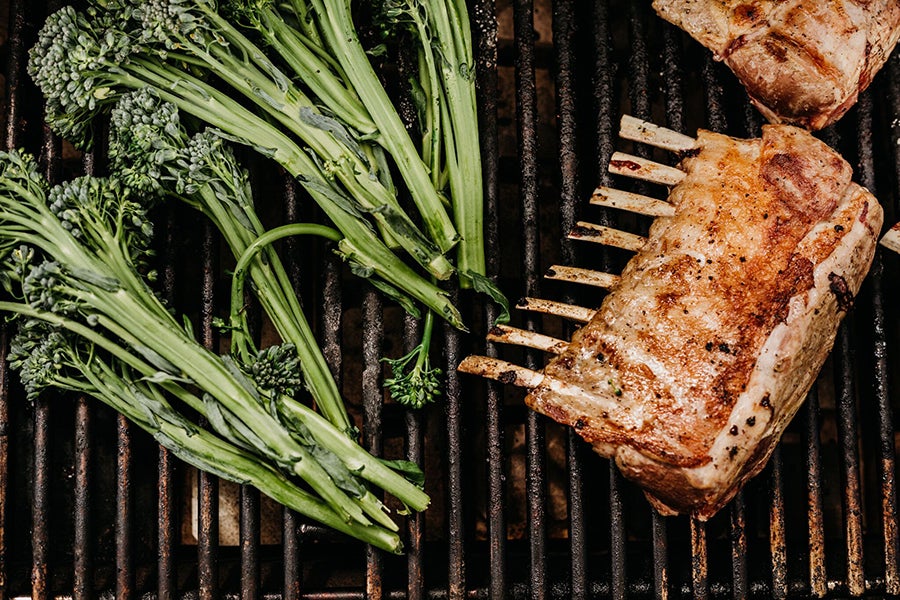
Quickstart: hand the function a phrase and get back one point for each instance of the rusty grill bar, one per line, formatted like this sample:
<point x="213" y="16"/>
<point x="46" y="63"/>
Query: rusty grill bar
<point x="521" y="507"/>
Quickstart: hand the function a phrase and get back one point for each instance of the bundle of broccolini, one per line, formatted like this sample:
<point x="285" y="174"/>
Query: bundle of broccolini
<point x="75" y="258"/>
<point x="293" y="81"/>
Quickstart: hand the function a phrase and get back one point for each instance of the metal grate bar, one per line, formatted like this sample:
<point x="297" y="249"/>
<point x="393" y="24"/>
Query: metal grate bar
<point x="699" y="560"/>
<point x="81" y="552"/>
<point x="373" y="342"/>
<point x="456" y="565"/>
<point x="526" y="120"/>
<point x="40" y="509"/>
<point x="564" y="32"/>
<point x="739" y="585"/>
<point x="290" y="526"/>
<point x="40" y="501"/>
<point x="849" y="447"/>
<point x="602" y="78"/>
<point x="249" y="539"/>
<point x="124" y="574"/>
<point x="882" y="387"/>
<point x="486" y="22"/>
<point x="167" y="531"/>
<point x="818" y="577"/>
<point x="777" y="544"/>
<point x="659" y="534"/>
<point x="208" y="485"/>
<point x="165" y="504"/>
<point x="415" y="441"/>
<point x="673" y="76"/>
<point x="866" y="176"/>
<point x="714" y="98"/>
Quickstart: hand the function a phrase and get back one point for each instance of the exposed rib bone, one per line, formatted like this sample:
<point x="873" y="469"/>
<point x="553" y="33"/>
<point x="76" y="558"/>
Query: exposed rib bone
<point x="572" y="312"/>
<point x="641" y="168"/>
<point x="632" y="128"/>
<point x="606" y="235"/>
<point x="530" y="339"/>
<point x="500" y="370"/>
<point x="644" y="205"/>
<point x="583" y="276"/>
<point x="891" y="239"/>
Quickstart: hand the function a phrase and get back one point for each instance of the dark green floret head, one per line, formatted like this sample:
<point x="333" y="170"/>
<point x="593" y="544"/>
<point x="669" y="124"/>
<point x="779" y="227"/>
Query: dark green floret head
<point x="38" y="352"/>
<point x="208" y="157"/>
<point x="144" y="130"/>
<point x="172" y="22"/>
<point x="72" y="64"/>
<point x="43" y="288"/>
<point x="277" y="370"/>
<point x="94" y="209"/>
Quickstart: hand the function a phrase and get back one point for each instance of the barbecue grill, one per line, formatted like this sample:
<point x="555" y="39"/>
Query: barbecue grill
<point x="521" y="507"/>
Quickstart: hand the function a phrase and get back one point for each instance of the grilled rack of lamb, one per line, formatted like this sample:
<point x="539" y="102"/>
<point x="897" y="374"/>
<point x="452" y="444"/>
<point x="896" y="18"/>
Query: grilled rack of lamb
<point x="708" y="342"/>
<point x="802" y="62"/>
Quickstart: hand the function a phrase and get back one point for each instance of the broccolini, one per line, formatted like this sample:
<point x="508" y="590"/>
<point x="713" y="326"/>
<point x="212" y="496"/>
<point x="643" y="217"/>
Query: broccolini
<point x="76" y="254"/>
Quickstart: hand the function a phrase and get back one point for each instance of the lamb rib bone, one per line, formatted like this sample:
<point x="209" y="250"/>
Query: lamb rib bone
<point x="891" y="239"/>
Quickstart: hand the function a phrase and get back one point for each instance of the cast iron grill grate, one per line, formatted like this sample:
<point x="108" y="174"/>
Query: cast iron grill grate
<point x="521" y="508"/>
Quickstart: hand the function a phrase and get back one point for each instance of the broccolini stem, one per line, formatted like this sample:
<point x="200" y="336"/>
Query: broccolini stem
<point x="336" y="22"/>
<point x="355" y="458"/>
<point x="210" y="374"/>
<point x="249" y="263"/>
<point x="202" y="449"/>
<point x="314" y="70"/>
<point x="454" y="43"/>
<point x="273" y="92"/>
<point x="205" y="102"/>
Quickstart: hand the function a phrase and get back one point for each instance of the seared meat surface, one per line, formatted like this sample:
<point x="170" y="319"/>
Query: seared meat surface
<point x="802" y="62"/>
<point x="700" y="355"/>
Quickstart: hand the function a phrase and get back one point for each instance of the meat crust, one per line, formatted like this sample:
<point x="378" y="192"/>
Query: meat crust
<point x="698" y="358"/>
<point x="802" y="62"/>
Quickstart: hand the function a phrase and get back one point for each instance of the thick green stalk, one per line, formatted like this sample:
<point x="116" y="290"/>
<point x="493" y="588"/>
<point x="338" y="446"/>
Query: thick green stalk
<point x="315" y="72"/>
<point x="277" y="297"/>
<point x="356" y="459"/>
<point x="272" y="91"/>
<point x="126" y="318"/>
<point x="204" y="102"/>
<point x="336" y="23"/>
<point x="453" y="39"/>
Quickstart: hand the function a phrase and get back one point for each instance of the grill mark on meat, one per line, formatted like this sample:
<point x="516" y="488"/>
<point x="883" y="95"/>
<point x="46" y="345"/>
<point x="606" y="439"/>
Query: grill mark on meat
<point x="775" y="48"/>
<point x="793" y="181"/>
<point x="840" y="289"/>
<point x="748" y="15"/>
<point x="735" y="45"/>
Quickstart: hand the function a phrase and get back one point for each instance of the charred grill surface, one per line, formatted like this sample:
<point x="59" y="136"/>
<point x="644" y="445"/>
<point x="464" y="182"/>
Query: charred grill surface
<point x="820" y="521"/>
